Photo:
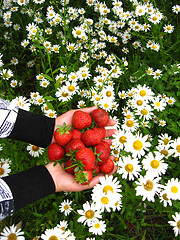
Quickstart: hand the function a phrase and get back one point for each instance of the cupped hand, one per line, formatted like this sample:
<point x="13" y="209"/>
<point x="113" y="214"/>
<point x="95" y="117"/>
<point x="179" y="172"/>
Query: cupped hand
<point x="64" y="181"/>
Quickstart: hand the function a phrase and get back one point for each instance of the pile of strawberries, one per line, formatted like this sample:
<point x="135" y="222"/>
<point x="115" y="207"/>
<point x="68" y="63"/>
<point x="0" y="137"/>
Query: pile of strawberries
<point x="83" y="149"/>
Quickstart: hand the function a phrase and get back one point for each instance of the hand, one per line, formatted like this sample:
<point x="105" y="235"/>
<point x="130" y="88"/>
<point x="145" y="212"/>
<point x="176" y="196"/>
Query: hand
<point x="65" y="181"/>
<point x="67" y="118"/>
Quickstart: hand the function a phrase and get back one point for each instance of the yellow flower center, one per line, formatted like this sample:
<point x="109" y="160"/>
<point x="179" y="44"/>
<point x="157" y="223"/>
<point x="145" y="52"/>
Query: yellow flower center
<point x="104" y="200"/>
<point x="122" y="139"/>
<point x="97" y="98"/>
<point x="166" y="141"/>
<point x="35" y="148"/>
<point x="122" y="95"/>
<point x="158" y="104"/>
<point x="64" y="94"/>
<point x="2" y="171"/>
<point x="164" y="196"/>
<point x="149" y="185"/>
<point x="164" y="152"/>
<point x="130" y="123"/>
<point x="12" y="236"/>
<point x="89" y="214"/>
<point x="154" y="18"/>
<point x="78" y="32"/>
<point x="84" y="75"/>
<point x="107" y="188"/>
<point x="139" y="102"/>
<point x="174" y="189"/>
<point x="106" y="105"/>
<point x="178" y="224"/>
<point x="71" y="88"/>
<point x="128" y="116"/>
<point x="66" y="207"/>
<point x="108" y="94"/>
<point x="144" y="112"/>
<point x="142" y="93"/>
<point x="178" y="148"/>
<point x="53" y="237"/>
<point x="51" y="115"/>
<point x="154" y="164"/>
<point x="129" y="168"/>
<point x="137" y="145"/>
<point x="97" y="225"/>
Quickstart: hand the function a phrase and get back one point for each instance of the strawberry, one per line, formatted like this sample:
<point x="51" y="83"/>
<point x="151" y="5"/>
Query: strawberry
<point x="87" y="157"/>
<point x="69" y="166"/>
<point x="101" y="131"/>
<point x="91" y="138"/>
<point x="96" y="169"/>
<point x="83" y="177"/>
<point x="76" y="134"/>
<point x="81" y="119"/>
<point x="62" y="134"/>
<point x="107" y="167"/>
<point x="55" y="152"/>
<point x="74" y="145"/>
<point x="103" y="153"/>
<point x="100" y="117"/>
<point x="107" y="146"/>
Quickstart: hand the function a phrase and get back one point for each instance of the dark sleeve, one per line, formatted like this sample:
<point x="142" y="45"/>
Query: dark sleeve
<point x="33" y="128"/>
<point x="29" y="186"/>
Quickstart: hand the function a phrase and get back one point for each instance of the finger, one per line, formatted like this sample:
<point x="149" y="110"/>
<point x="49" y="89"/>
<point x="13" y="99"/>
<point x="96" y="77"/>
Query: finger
<point x="89" y="109"/>
<point x="111" y="122"/>
<point x="110" y="132"/>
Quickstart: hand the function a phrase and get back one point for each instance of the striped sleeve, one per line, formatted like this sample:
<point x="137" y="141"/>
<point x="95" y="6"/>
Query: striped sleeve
<point x="6" y="200"/>
<point x="8" y="117"/>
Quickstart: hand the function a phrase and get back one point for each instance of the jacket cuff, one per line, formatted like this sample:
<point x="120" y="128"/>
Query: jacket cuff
<point x="29" y="186"/>
<point x="33" y="128"/>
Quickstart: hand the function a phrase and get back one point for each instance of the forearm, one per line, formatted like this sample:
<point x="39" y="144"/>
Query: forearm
<point x="21" y="189"/>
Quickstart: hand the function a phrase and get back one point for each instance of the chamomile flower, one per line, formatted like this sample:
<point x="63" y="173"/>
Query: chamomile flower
<point x="89" y="214"/>
<point x="14" y="61"/>
<point x="50" y="113"/>
<point x="119" y="139"/>
<point x="176" y="9"/>
<point x="154" y="164"/>
<point x="12" y="233"/>
<point x="170" y="100"/>
<point x="164" y="150"/>
<point x="164" y="199"/>
<point x="51" y="233"/>
<point x="65" y="207"/>
<point x="21" y="102"/>
<point x="147" y="187"/>
<point x="62" y="94"/>
<point x="98" y="227"/>
<point x="175" y="147"/>
<point x="158" y="103"/>
<point x="145" y="112"/>
<point x="175" y="223"/>
<point x="168" y="28"/>
<point x="122" y="94"/>
<point x="44" y="83"/>
<point x="13" y="83"/>
<point x="34" y="150"/>
<point x="145" y="92"/>
<point x="172" y="188"/>
<point x="62" y="225"/>
<point x="164" y="139"/>
<point x="137" y="145"/>
<point x="140" y="10"/>
<point x="4" y="169"/>
<point x="129" y="168"/>
<point x="130" y="125"/>
<point x="1" y="147"/>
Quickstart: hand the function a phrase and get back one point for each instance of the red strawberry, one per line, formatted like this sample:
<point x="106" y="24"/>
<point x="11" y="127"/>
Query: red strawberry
<point x="103" y="153"/>
<point x="76" y="134"/>
<point x="81" y="119"/>
<point x="69" y="166"/>
<point x="62" y="134"/>
<point x="100" y="117"/>
<point x="73" y="145"/>
<point x="87" y="157"/>
<point x="107" y="167"/>
<point x="96" y="169"/>
<point x="55" y="152"/>
<point x="91" y="138"/>
<point x="101" y="132"/>
<point x="107" y="146"/>
<point x="84" y="177"/>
